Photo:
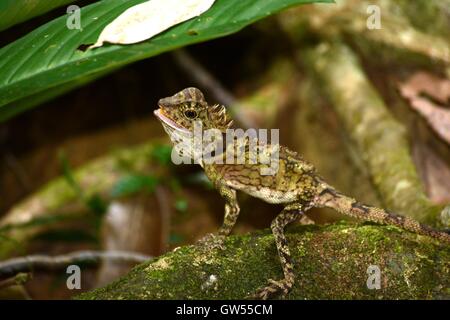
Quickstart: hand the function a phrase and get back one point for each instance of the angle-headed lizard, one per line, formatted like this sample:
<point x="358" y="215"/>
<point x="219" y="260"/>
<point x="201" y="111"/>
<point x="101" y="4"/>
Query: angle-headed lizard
<point x="295" y="184"/>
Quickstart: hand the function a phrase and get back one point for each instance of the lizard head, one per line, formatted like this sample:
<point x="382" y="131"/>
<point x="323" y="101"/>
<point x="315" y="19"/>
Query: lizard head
<point x="180" y="111"/>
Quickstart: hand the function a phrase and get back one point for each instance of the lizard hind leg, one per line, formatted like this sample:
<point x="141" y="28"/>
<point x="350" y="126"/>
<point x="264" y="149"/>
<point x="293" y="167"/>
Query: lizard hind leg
<point x="283" y="286"/>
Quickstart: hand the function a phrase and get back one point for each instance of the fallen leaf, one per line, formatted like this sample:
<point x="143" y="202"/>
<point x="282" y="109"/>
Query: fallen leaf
<point x="420" y="85"/>
<point x="422" y="82"/>
<point x="145" y="20"/>
<point x="434" y="172"/>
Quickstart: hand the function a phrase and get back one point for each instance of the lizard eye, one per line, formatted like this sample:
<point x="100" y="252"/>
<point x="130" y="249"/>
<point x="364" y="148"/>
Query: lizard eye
<point x="190" y="114"/>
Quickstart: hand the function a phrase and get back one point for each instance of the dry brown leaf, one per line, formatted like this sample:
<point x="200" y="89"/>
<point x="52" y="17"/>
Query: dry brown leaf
<point x="434" y="172"/>
<point x="437" y="116"/>
<point x="422" y="82"/>
<point x="145" y="20"/>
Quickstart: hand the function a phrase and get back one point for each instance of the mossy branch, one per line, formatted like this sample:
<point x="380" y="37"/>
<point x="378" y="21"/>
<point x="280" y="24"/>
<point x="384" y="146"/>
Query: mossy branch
<point x="379" y="138"/>
<point x="331" y="262"/>
<point x="407" y="29"/>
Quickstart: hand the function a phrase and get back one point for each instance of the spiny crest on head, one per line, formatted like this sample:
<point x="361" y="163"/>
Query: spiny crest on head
<point x="219" y="117"/>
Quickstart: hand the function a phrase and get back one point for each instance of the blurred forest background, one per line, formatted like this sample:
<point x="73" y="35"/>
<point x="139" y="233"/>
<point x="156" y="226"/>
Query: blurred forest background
<point x="91" y="169"/>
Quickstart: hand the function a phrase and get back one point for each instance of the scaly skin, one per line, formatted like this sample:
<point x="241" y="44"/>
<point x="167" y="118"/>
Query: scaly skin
<point x="296" y="184"/>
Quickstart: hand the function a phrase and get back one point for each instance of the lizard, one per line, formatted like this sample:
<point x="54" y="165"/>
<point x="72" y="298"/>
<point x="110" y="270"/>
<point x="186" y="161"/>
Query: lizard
<point x="296" y="184"/>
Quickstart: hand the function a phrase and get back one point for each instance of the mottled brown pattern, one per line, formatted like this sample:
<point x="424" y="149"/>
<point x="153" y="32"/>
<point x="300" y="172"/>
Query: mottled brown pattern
<point x="295" y="184"/>
<point x="346" y="205"/>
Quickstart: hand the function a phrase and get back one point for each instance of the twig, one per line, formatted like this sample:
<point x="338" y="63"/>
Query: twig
<point x="203" y="77"/>
<point x="18" y="279"/>
<point x="209" y="83"/>
<point x="48" y="263"/>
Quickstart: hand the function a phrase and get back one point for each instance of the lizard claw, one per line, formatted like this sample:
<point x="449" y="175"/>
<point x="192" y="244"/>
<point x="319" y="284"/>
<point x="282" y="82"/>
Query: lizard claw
<point x="212" y="242"/>
<point x="275" y="288"/>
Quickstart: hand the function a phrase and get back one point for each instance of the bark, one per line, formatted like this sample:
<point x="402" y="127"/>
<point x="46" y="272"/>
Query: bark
<point x="408" y="31"/>
<point x="379" y="138"/>
<point x="331" y="262"/>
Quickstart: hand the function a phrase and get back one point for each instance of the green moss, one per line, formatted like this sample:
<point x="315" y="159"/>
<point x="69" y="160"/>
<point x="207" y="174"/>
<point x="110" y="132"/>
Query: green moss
<point x="421" y="13"/>
<point x="330" y="263"/>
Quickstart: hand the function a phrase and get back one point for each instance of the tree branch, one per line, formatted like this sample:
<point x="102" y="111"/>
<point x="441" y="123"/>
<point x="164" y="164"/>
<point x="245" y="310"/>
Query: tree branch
<point x="331" y="262"/>
<point x="44" y="262"/>
<point x="379" y="138"/>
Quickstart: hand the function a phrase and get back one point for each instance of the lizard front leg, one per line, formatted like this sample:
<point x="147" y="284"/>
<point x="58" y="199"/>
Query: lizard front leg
<point x="276" y="287"/>
<point x="213" y="241"/>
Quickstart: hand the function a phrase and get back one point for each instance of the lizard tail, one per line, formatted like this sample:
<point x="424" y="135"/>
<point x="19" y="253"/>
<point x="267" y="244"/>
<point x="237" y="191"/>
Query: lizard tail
<point x="331" y="198"/>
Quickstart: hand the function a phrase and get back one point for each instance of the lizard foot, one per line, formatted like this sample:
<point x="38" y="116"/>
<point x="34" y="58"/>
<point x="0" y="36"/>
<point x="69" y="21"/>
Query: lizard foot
<point x="212" y="241"/>
<point x="275" y="288"/>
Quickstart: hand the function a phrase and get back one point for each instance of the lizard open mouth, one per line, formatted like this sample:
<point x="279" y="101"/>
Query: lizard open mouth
<point x="162" y="116"/>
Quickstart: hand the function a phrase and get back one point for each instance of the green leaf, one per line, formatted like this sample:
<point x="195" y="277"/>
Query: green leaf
<point x="162" y="154"/>
<point x="132" y="184"/>
<point x="47" y="58"/>
<point x="15" y="11"/>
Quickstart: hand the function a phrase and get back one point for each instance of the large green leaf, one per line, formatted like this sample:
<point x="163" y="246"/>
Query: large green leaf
<point x="16" y="11"/>
<point x="47" y="58"/>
